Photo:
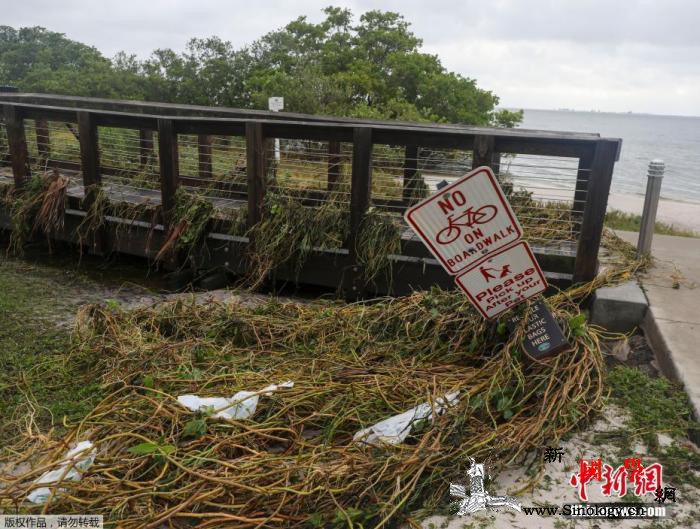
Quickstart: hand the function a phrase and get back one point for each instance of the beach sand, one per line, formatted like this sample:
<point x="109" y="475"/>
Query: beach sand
<point x="681" y="214"/>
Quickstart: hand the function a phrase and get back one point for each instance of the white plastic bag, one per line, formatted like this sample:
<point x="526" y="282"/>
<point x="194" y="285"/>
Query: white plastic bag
<point x="79" y="459"/>
<point x="241" y="406"/>
<point x="395" y="429"/>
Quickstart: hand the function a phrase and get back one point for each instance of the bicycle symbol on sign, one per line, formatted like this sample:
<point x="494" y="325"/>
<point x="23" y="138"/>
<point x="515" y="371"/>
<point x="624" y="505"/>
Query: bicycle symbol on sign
<point x="453" y="230"/>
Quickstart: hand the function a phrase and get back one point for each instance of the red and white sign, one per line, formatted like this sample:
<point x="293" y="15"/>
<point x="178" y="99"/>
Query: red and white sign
<point x="503" y="279"/>
<point x="465" y="220"/>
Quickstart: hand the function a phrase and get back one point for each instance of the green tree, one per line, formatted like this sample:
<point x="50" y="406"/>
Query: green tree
<point x="373" y="68"/>
<point x="508" y="118"/>
<point x="37" y="60"/>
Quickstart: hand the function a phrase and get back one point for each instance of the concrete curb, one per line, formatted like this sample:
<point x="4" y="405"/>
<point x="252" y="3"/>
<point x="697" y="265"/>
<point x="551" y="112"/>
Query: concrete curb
<point x="669" y="367"/>
<point x="620" y="308"/>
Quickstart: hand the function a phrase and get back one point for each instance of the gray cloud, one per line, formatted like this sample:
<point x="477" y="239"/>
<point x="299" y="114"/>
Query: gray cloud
<point x="617" y="55"/>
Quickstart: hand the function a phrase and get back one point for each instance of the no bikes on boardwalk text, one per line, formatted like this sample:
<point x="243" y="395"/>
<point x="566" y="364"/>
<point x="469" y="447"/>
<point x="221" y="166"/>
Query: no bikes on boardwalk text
<point x="465" y="220"/>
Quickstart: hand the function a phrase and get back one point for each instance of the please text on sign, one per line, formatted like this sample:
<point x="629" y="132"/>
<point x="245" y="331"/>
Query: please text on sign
<point x="503" y="279"/>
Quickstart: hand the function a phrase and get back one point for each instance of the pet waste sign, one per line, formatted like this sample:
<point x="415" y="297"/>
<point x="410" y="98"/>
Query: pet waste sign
<point x="502" y="280"/>
<point x="465" y="220"/>
<point x="542" y="336"/>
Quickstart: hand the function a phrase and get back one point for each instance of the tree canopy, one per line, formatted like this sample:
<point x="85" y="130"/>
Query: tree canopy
<point x="370" y="68"/>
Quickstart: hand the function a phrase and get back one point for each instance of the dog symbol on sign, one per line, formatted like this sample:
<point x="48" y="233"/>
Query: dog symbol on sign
<point x="486" y="272"/>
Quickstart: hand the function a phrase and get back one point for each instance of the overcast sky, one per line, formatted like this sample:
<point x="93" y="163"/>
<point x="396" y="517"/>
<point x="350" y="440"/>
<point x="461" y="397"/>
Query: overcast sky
<point x="610" y="55"/>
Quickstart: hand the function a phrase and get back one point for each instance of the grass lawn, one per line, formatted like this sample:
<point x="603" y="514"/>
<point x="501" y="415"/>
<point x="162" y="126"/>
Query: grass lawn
<point x="40" y="383"/>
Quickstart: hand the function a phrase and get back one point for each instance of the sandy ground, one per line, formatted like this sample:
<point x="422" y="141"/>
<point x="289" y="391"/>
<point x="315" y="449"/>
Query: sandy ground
<point x="554" y="490"/>
<point x="682" y="214"/>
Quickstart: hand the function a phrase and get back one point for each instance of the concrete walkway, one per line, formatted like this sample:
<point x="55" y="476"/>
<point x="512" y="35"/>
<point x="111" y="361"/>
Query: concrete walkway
<point x="672" y="324"/>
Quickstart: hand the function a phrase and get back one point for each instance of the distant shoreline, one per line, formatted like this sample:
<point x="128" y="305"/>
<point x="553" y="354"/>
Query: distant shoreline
<point x="616" y="113"/>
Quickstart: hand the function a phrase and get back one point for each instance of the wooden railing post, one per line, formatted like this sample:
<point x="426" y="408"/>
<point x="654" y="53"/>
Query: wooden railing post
<point x="169" y="168"/>
<point x="360" y="193"/>
<point x="483" y="151"/>
<point x="255" y="166"/>
<point x="43" y="140"/>
<point x="410" y="175"/>
<point x="89" y="150"/>
<point x="17" y="142"/>
<point x="90" y="168"/>
<point x="334" y="165"/>
<point x="204" y="142"/>
<point x="145" y="147"/>
<point x="599" y="179"/>
<point x="496" y="164"/>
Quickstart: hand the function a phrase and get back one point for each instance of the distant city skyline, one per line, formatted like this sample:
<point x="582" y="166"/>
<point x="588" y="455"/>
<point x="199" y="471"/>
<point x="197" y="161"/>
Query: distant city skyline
<point x="631" y="55"/>
<point x="596" y="111"/>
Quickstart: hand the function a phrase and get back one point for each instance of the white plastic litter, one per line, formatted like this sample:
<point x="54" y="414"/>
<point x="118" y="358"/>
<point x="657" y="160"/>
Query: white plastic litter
<point x="241" y="406"/>
<point x="395" y="429"/>
<point x="79" y="459"/>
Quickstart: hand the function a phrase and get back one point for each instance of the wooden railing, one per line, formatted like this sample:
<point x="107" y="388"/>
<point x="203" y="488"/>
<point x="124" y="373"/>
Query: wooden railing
<point x="414" y="268"/>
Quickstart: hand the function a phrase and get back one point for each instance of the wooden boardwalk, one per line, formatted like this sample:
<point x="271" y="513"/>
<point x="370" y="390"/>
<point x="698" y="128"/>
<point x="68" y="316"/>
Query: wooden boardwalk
<point x="566" y="255"/>
<point x="136" y="196"/>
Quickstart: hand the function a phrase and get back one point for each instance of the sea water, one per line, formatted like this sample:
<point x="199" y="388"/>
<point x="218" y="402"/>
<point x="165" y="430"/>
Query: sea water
<point x="673" y="139"/>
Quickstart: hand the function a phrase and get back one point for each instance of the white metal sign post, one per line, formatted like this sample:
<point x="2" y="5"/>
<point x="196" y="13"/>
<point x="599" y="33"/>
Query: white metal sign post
<point x="276" y="104"/>
<point x="466" y="220"/>
<point x="503" y="279"/>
